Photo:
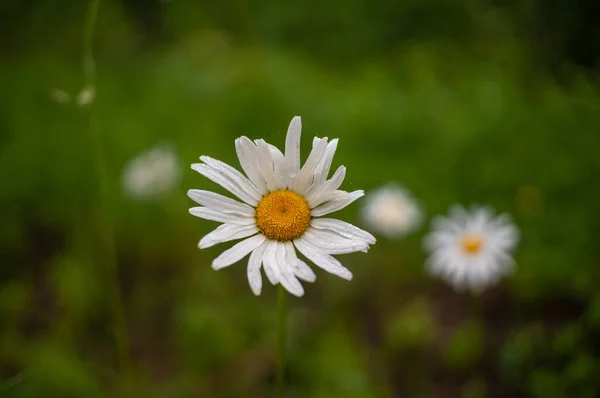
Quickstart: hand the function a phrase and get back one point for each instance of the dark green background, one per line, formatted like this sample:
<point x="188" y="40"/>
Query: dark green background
<point x="470" y="101"/>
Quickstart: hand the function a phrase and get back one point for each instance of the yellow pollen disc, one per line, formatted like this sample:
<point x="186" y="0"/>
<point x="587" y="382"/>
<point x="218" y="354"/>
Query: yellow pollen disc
<point x="282" y="215"/>
<point x="471" y="243"/>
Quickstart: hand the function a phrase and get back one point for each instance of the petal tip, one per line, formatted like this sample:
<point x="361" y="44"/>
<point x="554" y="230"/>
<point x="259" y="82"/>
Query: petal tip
<point x="296" y="292"/>
<point x="205" y="244"/>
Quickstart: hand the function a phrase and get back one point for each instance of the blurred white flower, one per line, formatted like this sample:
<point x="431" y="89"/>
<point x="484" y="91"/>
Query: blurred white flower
<point x="59" y="96"/>
<point x="282" y="211"/>
<point x="391" y="210"/>
<point x="86" y="96"/>
<point x="471" y="249"/>
<point x="152" y="173"/>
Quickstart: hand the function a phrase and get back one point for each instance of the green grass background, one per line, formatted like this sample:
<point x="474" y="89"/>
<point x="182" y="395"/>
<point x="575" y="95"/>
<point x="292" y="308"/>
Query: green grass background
<point x="461" y="102"/>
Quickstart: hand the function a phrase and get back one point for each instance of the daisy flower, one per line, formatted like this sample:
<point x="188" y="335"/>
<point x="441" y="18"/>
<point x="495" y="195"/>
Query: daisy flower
<point x="59" y="96"/>
<point x="86" y="96"/>
<point x="281" y="210"/>
<point x="152" y="173"/>
<point x="391" y="210"/>
<point x="471" y="249"/>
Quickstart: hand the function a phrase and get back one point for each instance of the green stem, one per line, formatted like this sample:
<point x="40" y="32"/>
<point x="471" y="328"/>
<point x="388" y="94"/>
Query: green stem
<point x="120" y="328"/>
<point x="281" y="340"/>
<point x="89" y="65"/>
<point x="107" y="227"/>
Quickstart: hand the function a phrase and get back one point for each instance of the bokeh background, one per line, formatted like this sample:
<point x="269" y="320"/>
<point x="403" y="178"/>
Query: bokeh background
<point x="470" y="101"/>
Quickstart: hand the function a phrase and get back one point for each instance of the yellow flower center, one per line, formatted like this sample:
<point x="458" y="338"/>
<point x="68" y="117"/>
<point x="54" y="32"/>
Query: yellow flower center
<point x="472" y="244"/>
<point x="282" y="215"/>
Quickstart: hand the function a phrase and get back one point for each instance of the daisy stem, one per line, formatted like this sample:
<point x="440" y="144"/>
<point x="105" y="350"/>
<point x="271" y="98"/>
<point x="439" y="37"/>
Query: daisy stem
<point x="89" y="65"/>
<point x="107" y="232"/>
<point x="281" y="340"/>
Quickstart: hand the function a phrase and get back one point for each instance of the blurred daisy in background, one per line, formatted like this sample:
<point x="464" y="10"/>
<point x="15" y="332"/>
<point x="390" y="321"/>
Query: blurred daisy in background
<point x="59" y="96"/>
<point x="471" y="249"/>
<point x="281" y="210"/>
<point x="152" y="173"/>
<point x="86" y="96"/>
<point x="391" y="211"/>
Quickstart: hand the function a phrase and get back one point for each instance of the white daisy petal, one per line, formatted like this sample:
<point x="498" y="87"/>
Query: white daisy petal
<point x="226" y="233"/>
<point x="479" y="218"/>
<point x="320" y="193"/>
<point x="471" y="250"/>
<point x="322" y="260"/>
<point x="270" y="262"/>
<point x="280" y="167"/>
<point x="343" y="228"/>
<point x="306" y="175"/>
<point x="253" y="270"/>
<point x="219" y="202"/>
<point x="237" y="252"/>
<point x="336" y="180"/>
<point x="287" y="278"/>
<point x="458" y="214"/>
<point x="226" y="182"/>
<point x="440" y="223"/>
<point x="322" y="170"/>
<point x="234" y="175"/>
<point x="332" y="195"/>
<point x="265" y="162"/>
<point x="439" y="239"/>
<point x="304" y="272"/>
<point x="215" y="215"/>
<point x="332" y="243"/>
<point x="508" y="237"/>
<point x="299" y="267"/>
<point x="292" y="145"/>
<point x="505" y="262"/>
<point x="336" y="204"/>
<point x="504" y="234"/>
<point x="247" y="153"/>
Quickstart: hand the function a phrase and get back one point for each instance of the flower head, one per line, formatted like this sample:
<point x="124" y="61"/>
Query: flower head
<point x="280" y="211"/>
<point x="86" y="96"/>
<point x="59" y="96"/>
<point x="151" y="173"/>
<point x="471" y="249"/>
<point x="391" y="210"/>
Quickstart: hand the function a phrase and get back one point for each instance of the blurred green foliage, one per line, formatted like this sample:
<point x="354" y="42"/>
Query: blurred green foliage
<point x="492" y="102"/>
<point x="465" y="346"/>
